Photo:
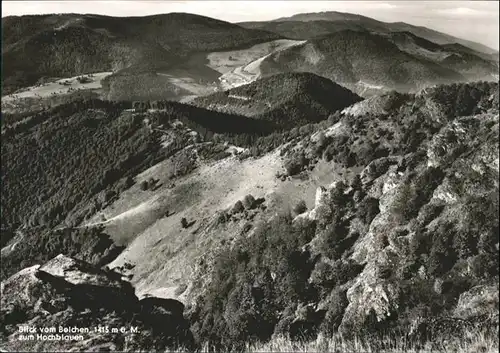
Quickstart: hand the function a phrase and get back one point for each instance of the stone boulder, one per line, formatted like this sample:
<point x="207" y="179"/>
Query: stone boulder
<point x="69" y="293"/>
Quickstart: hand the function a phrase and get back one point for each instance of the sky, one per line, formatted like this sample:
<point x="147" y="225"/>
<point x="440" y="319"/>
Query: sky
<point x="473" y="20"/>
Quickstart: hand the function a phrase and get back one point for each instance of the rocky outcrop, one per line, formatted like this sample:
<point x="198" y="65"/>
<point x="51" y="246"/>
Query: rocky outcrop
<point x="85" y="308"/>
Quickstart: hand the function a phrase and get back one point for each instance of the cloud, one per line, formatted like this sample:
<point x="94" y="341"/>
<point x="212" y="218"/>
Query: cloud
<point x="465" y="12"/>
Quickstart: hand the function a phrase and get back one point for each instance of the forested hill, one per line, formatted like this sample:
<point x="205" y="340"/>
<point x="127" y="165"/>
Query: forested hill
<point x="288" y="99"/>
<point x="379" y="222"/>
<point x="70" y="44"/>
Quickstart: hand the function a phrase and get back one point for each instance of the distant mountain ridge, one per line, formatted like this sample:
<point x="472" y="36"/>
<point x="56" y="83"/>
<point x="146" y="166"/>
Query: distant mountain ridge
<point x="65" y="45"/>
<point x="348" y="20"/>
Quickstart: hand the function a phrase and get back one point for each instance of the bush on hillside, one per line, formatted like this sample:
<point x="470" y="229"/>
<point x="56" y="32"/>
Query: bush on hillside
<point x="334" y="238"/>
<point x="442" y="255"/>
<point x="254" y="281"/>
<point x="300" y="207"/>
<point x="368" y="209"/>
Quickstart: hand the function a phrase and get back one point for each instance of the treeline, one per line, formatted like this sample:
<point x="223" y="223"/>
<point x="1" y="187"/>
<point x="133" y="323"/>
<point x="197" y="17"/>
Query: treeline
<point x="13" y="123"/>
<point x="208" y="122"/>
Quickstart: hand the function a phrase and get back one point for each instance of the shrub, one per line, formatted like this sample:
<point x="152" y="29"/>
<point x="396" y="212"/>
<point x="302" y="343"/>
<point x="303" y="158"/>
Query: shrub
<point x="184" y="222"/>
<point x="222" y="217"/>
<point x="337" y="194"/>
<point x="384" y="272"/>
<point x="321" y="143"/>
<point x="488" y="241"/>
<point x="356" y="183"/>
<point x="428" y="213"/>
<point x="129" y="181"/>
<point x="346" y="270"/>
<point x="407" y="270"/>
<point x="323" y="277"/>
<point x="484" y="266"/>
<point x="402" y="202"/>
<point x="83" y="79"/>
<point x="465" y="244"/>
<point x="144" y="185"/>
<point x="182" y="163"/>
<point x="300" y="207"/>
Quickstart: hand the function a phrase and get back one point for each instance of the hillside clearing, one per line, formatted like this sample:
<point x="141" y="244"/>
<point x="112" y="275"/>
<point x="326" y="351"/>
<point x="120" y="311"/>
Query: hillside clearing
<point x="240" y="67"/>
<point x="60" y="86"/>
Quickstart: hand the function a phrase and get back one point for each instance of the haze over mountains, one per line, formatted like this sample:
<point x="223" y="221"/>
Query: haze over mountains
<point x="309" y="25"/>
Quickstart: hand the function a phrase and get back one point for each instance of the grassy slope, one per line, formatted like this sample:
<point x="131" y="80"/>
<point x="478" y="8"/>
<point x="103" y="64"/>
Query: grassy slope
<point x="473" y="341"/>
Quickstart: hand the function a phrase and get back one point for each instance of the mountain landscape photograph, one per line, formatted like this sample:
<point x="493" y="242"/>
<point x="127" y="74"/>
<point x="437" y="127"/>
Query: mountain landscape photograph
<point x="249" y="176"/>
